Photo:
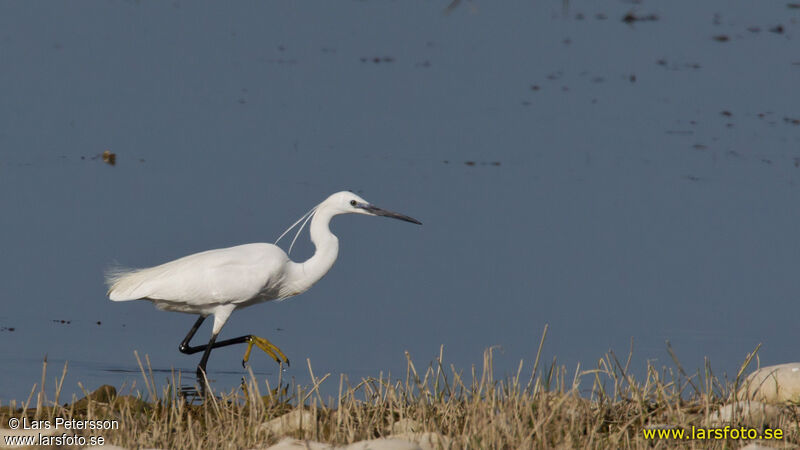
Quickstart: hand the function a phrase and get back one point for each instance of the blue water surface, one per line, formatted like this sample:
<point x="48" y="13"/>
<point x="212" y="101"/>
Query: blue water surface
<point x="614" y="180"/>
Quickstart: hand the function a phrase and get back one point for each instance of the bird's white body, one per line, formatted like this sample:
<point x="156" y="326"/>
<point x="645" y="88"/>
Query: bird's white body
<point x="220" y="281"/>
<point x="201" y="282"/>
<point x="217" y="282"/>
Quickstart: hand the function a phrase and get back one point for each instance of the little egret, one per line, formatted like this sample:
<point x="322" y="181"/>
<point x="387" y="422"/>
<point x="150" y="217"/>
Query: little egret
<point x="220" y="281"/>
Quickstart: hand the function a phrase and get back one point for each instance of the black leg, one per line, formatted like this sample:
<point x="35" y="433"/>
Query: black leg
<point x="201" y="368"/>
<point x="184" y="347"/>
<point x="189" y="350"/>
<point x="206" y="349"/>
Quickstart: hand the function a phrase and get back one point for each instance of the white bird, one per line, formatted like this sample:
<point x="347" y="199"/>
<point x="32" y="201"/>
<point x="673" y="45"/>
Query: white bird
<point x="218" y="282"/>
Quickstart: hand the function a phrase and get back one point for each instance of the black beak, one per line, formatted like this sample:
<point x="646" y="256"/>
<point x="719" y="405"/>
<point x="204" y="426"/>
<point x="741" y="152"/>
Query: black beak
<point x="382" y="212"/>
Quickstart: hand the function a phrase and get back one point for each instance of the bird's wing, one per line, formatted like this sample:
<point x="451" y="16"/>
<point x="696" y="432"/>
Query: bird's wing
<point x="227" y="275"/>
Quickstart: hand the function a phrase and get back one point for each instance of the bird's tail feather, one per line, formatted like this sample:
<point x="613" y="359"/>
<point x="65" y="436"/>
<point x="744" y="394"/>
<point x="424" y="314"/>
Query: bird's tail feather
<point x="123" y="282"/>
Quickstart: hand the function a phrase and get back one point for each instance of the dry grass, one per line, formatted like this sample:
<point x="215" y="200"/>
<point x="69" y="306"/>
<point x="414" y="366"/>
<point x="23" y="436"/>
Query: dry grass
<point x="542" y="409"/>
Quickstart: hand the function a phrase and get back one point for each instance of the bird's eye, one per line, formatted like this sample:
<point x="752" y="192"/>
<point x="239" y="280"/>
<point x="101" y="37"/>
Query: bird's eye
<point x="353" y="202"/>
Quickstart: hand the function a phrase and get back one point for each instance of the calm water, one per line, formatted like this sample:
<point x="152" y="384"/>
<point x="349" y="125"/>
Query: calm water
<point x="613" y="180"/>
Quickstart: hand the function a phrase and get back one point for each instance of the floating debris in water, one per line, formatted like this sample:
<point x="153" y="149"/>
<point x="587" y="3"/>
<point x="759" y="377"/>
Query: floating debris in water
<point x="791" y="120"/>
<point x="555" y="75"/>
<point x="452" y="6"/>
<point x="99" y="323"/>
<point x="10" y="329"/>
<point x="777" y="30"/>
<point x="722" y="38"/>
<point x="62" y="321"/>
<point x="631" y="17"/>
<point x="676" y="66"/>
<point x="109" y="158"/>
<point x="482" y="163"/>
<point x="377" y="60"/>
<point x="726" y="113"/>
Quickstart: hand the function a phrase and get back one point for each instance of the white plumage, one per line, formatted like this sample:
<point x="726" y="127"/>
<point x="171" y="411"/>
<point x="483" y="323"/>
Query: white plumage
<point x="199" y="282"/>
<point x="220" y="281"/>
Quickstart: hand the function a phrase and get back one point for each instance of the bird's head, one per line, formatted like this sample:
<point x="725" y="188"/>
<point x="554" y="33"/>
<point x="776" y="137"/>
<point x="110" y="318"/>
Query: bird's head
<point x="346" y="202"/>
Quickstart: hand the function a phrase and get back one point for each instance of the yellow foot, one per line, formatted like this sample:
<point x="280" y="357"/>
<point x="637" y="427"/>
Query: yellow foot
<point x="268" y="347"/>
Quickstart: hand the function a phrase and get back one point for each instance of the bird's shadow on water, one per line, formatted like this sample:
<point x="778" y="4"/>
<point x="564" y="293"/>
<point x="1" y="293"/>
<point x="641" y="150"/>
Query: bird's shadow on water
<point x="187" y="379"/>
<point x="188" y="373"/>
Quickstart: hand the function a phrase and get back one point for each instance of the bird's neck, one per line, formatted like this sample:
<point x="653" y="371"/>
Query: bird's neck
<point x="326" y="245"/>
